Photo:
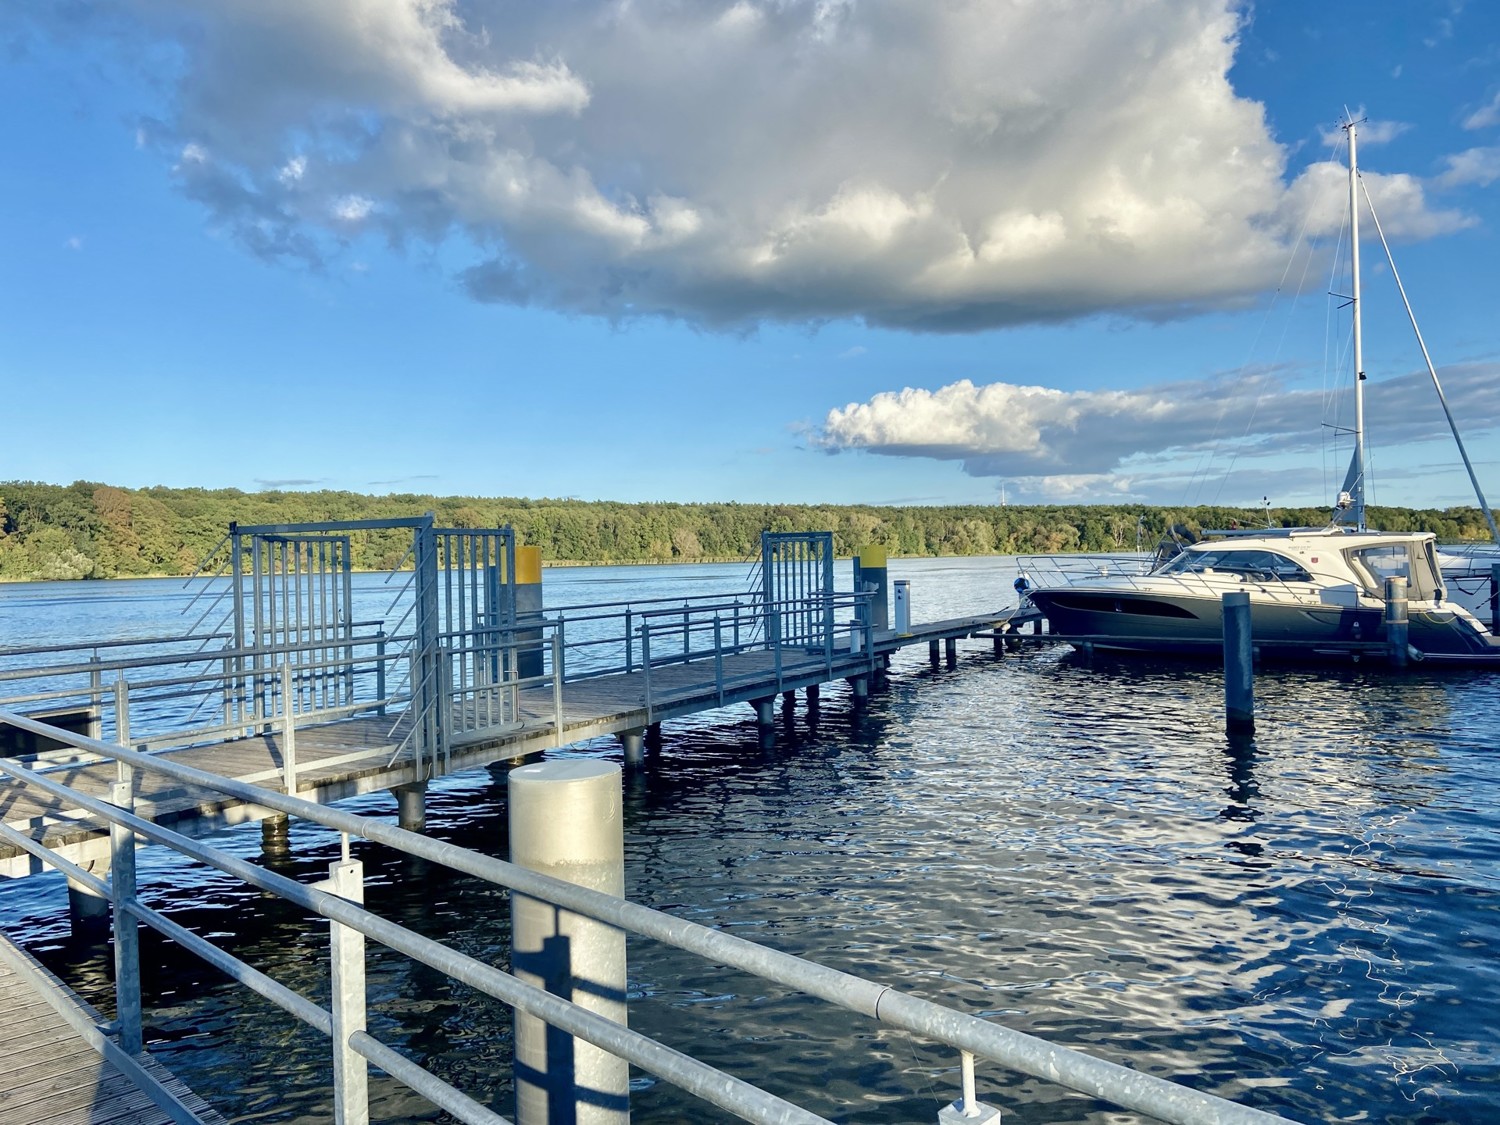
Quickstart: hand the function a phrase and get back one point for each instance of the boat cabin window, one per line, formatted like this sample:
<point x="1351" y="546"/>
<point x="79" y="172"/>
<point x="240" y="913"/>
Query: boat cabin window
<point x="1258" y="566"/>
<point x="1415" y="562"/>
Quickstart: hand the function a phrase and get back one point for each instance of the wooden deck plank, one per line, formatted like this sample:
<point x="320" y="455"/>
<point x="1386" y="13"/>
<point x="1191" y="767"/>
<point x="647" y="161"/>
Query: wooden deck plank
<point x="49" y="1075"/>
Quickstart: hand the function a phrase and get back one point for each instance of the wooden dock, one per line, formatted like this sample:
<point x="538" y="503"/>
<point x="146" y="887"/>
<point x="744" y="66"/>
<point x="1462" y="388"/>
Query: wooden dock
<point x="352" y="756"/>
<point x="51" y="1075"/>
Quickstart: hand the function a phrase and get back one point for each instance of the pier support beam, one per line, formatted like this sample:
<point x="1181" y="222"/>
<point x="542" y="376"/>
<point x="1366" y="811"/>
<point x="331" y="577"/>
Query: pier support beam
<point x="860" y="687"/>
<point x="566" y="821"/>
<point x="88" y="913"/>
<point x="634" y="744"/>
<point x="275" y="836"/>
<point x="653" y="737"/>
<point x="814" y="694"/>
<point x="950" y="651"/>
<point x="1397" y="623"/>
<point x="765" y="720"/>
<point x="1239" y="665"/>
<point x="411" y="806"/>
<point x="932" y="653"/>
<point x="789" y="701"/>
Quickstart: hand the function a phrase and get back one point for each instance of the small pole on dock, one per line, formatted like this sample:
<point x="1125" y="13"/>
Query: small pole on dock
<point x="346" y="954"/>
<point x="1397" y="623"/>
<point x="566" y="821"/>
<point x="127" y="928"/>
<point x="1239" y="665"/>
<point x="903" y="606"/>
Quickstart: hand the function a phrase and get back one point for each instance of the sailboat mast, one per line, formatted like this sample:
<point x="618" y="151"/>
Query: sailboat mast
<point x="1357" y="493"/>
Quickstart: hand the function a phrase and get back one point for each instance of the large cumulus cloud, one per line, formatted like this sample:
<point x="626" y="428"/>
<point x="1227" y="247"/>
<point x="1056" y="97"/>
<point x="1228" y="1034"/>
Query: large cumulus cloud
<point x="938" y="166"/>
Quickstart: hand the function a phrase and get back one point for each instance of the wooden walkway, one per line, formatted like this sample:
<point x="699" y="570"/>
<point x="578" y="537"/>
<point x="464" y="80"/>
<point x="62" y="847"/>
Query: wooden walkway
<point x="591" y="708"/>
<point x="50" y="1075"/>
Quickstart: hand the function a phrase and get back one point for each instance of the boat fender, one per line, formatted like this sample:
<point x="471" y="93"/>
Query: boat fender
<point x="1022" y="585"/>
<point x="1414" y="654"/>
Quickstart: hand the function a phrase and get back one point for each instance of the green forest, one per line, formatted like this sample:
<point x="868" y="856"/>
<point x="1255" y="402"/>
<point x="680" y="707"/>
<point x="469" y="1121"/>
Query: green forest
<point x="87" y="530"/>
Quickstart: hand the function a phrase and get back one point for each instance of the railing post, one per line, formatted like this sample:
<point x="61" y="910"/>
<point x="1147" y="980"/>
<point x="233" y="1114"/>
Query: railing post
<point x="288" y="733"/>
<point x="719" y="657"/>
<point x="122" y="710"/>
<point x="96" y="693"/>
<point x="445" y="705"/>
<point x="346" y="954"/>
<point x="566" y="821"/>
<point x="646" y="665"/>
<point x="968" y="1110"/>
<point x="127" y="929"/>
<point x="557" y="684"/>
<point x="380" y="671"/>
<point x="629" y="642"/>
<point x="227" y="671"/>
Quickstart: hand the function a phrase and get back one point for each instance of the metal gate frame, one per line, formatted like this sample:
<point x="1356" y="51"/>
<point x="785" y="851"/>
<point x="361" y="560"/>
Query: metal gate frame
<point x="300" y="614"/>
<point x="797" y="587"/>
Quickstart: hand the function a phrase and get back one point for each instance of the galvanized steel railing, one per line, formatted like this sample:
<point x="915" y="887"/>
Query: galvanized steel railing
<point x="344" y="1020"/>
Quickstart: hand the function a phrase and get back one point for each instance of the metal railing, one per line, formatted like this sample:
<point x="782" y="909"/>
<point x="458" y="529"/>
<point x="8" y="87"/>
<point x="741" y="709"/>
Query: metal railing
<point x="340" y="900"/>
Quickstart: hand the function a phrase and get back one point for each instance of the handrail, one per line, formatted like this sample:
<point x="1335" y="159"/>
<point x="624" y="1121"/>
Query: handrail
<point x="1075" y="1070"/>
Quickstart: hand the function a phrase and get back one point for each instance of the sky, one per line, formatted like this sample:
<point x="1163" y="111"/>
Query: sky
<point x="799" y="251"/>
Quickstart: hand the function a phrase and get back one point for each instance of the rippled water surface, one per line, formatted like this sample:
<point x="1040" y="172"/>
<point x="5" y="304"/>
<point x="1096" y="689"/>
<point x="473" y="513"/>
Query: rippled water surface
<point x="1308" y="921"/>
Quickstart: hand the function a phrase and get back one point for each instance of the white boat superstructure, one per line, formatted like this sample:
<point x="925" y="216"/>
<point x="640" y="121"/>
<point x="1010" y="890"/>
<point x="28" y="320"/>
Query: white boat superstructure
<point x="1313" y="593"/>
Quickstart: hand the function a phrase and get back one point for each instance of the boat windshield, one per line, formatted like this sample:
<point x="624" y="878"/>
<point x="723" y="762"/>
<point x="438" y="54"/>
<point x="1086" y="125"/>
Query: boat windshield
<point x="1416" y="562"/>
<point x="1261" y="566"/>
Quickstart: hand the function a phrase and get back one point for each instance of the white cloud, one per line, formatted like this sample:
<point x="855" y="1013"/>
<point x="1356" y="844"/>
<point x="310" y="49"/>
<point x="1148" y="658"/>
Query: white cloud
<point x="931" y="166"/>
<point x="1472" y="166"/>
<point x="1153" y="441"/>
<point x="352" y="208"/>
<point x="1485" y="116"/>
<point x="74" y="243"/>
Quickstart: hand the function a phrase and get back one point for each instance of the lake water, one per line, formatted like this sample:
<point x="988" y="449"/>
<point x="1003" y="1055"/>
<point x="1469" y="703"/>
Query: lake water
<point x="1308" y="922"/>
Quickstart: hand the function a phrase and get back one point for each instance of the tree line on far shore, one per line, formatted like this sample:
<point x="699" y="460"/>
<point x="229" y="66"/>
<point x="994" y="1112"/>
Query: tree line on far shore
<point x="87" y="530"/>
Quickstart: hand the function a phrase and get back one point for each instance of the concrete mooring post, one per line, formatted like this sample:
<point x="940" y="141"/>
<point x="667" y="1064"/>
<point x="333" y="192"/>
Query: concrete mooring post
<point x="1239" y="664"/>
<point x="566" y="820"/>
<point x="1397" y="621"/>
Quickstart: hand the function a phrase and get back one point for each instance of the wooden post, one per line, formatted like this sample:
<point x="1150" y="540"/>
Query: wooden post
<point x="1239" y="664"/>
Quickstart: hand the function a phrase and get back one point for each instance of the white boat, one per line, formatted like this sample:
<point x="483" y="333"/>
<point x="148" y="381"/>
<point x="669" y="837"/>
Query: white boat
<point x="1314" y="592"/>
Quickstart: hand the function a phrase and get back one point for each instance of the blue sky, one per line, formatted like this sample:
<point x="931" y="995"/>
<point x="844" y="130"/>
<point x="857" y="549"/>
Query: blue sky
<point x="803" y="252"/>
